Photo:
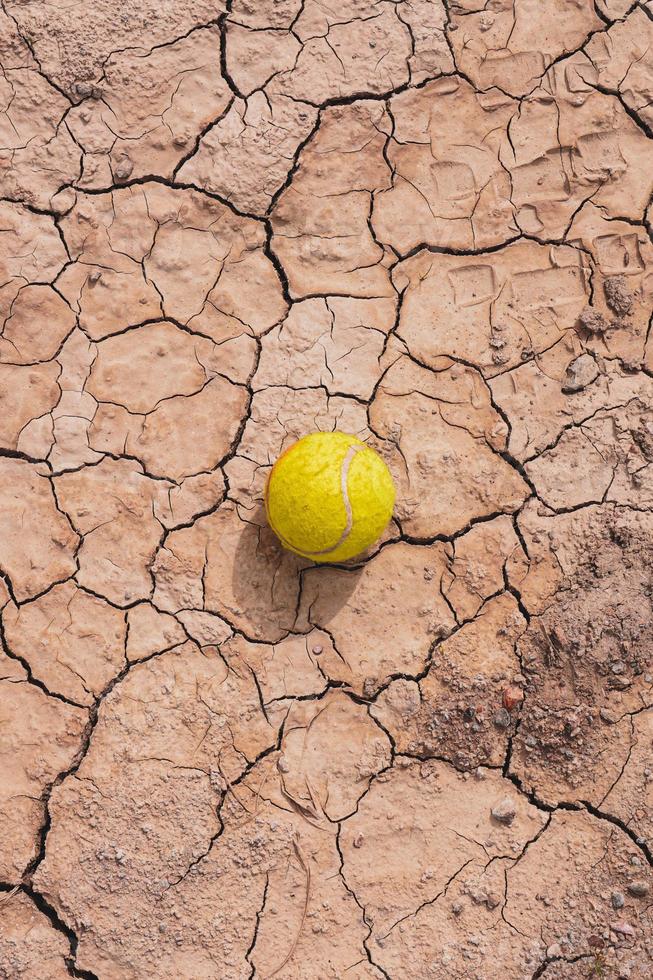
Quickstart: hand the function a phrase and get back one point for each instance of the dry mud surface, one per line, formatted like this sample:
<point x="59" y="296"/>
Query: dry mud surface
<point x="426" y="222"/>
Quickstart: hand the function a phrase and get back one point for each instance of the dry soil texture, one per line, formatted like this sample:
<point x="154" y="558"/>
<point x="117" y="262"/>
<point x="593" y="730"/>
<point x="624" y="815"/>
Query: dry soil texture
<point x="222" y="225"/>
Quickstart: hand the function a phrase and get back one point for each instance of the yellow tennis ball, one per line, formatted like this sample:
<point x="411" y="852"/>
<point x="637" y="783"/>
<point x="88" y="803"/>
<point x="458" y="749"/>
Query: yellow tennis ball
<point x="329" y="496"/>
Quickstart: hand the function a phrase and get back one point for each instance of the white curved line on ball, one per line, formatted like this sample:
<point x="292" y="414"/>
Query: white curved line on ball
<point x="344" y="474"/>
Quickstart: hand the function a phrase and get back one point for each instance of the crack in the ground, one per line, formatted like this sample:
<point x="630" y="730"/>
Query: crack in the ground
<point x="392" y="258"/>
<point x="57" y="924"/>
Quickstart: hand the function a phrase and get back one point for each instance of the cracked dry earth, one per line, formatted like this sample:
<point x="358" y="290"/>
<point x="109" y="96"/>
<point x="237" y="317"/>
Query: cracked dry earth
<point x="426" y="222"/>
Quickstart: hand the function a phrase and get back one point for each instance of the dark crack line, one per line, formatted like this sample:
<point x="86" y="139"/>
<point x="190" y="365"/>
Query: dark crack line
<point x="57" y="924"/>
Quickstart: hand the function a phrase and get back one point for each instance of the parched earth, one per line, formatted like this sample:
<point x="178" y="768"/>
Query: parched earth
<point x="222" y="225"/>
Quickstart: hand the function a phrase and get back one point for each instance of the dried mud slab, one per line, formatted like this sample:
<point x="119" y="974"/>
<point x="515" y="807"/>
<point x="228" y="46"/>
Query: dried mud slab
<point x="321" y="222"/>
<point x="222" y="226"/>
<point x="73" y="642"/>
<point x="511" y="45"/>
<point x="336" y="342"/>
<point x="331" y="750"/>
<point x="452" y="467"/>
<point x="360" y="47"/>
<point x="479" y="565"/>
<point x="345" y="603"/>
<point x="432" y="851"/>
<point x="39" y="544"/>
<point x="149" y="109"/>
<point x="38" y="152"/>
<point x="42" y="737"/>
<point x="247" y="155"/>
<point x="29" y="946"/>
<point x="456" y="712"/>
<point x="232" y="568"/>
<point x="458" y="195"/>
<point x="73" y="51"/>
<point x="509" y="905"/>
<point x="585" y="654"/>
<point x="177" y="254"/>
<point x="495" y="311"/>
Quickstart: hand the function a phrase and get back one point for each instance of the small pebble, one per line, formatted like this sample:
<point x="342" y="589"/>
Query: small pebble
<point x="502" y="718"/>
<point x="617" y="899"/>
<point x="622" y="928"/>
<point x="504" y="811"/>
<point x="639" y="888"/>
<point x="317" y="650"/>
<point x="123" y="169"/>
<point x="512" y="696"/>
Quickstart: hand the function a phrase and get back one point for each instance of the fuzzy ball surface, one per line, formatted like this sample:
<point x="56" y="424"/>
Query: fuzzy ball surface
<point x="329" y="497"/>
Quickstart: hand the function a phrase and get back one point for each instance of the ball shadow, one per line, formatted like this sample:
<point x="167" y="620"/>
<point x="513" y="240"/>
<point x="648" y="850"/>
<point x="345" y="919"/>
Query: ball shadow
<point x="270" y="581"/>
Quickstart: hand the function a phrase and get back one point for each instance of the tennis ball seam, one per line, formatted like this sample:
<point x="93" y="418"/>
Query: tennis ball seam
<point x="344" y="473"/>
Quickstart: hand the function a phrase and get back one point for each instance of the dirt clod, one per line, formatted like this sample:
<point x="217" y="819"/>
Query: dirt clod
<point x="618" y="296"/>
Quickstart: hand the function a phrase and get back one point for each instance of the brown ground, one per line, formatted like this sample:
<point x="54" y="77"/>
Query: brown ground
<point x="427" y="222"/>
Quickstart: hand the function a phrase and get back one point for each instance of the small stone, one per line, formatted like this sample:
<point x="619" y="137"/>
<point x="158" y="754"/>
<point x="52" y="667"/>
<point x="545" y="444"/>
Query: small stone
<point x="607" y="717"/>
<point x="580" y="373"/>
<point x="500" y="358"/>
<point x="317" y="649"/>
<point x="622" y="928"/>
<point x="457" y="908"/>
<point x="504" y="812"/>
<point x="617" y="899"/>
<point x="123" y="169"/>
<point x="282" y="765"/>
<point x="554" y="950"/>
<point x="83" y="89"/>
<point x="618" y="667"/>
<point x="512" y="696"/>
<point x="639" y="888"/>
